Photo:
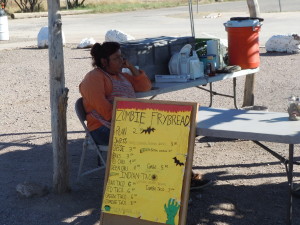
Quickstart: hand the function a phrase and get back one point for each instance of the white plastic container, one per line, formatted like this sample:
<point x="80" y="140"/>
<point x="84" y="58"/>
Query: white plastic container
<point x="186" y="62"/>
<point x="4" y="34"/>
<point x="196" y="69"/>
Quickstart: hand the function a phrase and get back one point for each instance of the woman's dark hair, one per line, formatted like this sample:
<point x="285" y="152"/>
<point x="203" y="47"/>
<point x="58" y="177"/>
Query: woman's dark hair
<point x="103" y="51"/>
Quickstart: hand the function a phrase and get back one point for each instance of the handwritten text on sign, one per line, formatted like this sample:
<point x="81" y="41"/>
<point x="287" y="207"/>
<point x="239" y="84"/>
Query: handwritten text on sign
<point x="149" y="150"/>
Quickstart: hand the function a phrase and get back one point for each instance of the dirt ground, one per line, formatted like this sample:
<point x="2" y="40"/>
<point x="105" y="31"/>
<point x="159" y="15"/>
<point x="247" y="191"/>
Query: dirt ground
<point x="250" y="184"/>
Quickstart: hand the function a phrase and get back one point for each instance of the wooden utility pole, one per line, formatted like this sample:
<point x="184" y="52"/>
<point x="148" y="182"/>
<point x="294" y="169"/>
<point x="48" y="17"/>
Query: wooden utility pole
<point x="250" y="79"/>
<point x="58" y="99"/>
<point x="253" y="8"/>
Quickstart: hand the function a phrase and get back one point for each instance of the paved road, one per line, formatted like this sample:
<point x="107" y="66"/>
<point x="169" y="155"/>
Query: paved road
<point x="265" y="6"/>
<point x="160" y="22"/>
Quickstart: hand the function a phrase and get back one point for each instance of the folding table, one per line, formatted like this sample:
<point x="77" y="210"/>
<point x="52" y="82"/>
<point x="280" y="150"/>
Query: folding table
<point x="161" y="88"/>
<point x="256" y="126"/>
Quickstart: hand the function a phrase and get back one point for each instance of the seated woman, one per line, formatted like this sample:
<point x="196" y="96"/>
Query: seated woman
<point x="105" y="82"/>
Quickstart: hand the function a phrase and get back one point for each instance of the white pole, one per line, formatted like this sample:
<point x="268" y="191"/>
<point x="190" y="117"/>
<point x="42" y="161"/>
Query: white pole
<point x="191" y="17"/>
<point x="279" y="5"/>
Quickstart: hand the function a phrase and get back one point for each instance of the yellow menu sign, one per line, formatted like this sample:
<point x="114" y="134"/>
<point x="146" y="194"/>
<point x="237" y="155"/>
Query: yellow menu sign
<point x="149" y="148"/>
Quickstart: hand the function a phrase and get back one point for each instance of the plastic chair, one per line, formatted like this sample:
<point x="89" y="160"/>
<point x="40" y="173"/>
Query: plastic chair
<point x="88" y="141"/>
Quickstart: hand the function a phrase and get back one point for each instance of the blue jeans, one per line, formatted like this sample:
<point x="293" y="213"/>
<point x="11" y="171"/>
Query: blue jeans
<point x="101" y="135"/>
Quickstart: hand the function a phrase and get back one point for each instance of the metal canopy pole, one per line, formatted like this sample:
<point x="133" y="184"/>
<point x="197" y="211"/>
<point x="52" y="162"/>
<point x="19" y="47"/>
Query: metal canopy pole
<point x="191" y="17"/>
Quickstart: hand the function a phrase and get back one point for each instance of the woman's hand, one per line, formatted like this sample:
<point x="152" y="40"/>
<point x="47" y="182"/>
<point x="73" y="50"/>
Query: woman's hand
<point x="132" y="68"/>
<point x="126" y="63"/>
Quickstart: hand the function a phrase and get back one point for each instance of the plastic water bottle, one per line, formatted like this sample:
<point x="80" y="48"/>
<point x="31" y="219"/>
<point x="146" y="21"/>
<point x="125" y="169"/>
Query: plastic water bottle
<point x="211" y="70"/>
<point x="294" y="108"/>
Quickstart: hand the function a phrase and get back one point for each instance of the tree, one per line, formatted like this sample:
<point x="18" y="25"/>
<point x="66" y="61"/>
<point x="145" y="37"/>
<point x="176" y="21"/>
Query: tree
<point x="75" y="3"/>
<point x="58" y="100"/>
<point x="250" y="79"/>
<point x="29" y="5"/>
<point x="3" y="3"/>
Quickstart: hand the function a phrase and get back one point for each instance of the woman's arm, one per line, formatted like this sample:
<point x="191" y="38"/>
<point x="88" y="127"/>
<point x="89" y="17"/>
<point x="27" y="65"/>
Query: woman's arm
<point x="140" y="82"/>
<point x="134" y="71"/>
<point x="93" y="89"/>
<point x="138" y="79"/>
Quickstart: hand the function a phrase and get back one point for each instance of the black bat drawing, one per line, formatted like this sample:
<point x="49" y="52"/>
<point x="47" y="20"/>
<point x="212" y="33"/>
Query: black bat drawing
<point x="148" y="130"/>
<point x="177" y="162"/>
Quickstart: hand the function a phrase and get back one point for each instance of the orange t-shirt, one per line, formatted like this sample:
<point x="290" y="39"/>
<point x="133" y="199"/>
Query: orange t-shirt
<point x="96" y="86"/>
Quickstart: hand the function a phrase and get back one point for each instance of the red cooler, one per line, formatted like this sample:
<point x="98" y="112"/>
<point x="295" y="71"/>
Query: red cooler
<point x="243" y="41"/>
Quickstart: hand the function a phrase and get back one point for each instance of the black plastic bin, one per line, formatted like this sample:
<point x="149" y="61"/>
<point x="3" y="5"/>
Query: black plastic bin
<point x="153" y="54"/>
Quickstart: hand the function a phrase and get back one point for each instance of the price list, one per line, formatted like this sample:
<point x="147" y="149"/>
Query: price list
<point x="147" y="161"/>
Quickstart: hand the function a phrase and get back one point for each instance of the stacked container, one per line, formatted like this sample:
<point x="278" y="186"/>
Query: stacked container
<point x="153" y="54"/>
<point x="4" y="35"/>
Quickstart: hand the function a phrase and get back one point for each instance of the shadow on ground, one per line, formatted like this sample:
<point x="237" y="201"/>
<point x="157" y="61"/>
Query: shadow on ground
<point x="218" y="204"/>
<point x="276" y="54"/>
<point x="236" y="205"/>
<point x="80" y="206"/>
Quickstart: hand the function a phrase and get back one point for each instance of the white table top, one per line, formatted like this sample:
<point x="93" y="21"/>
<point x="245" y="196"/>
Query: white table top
<point x="248" y="125"/>
<point x="160" y="88"/>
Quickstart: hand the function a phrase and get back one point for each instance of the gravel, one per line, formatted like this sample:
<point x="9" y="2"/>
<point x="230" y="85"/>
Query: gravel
<point x="250" y="185"/>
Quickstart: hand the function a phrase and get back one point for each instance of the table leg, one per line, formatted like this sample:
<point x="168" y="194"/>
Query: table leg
<point x="211" y="94"/>
<point x="234" y="93"/>
<point x="153" y="97"/>
<point x="289" y="170"/>
<point x="290" y="184"/>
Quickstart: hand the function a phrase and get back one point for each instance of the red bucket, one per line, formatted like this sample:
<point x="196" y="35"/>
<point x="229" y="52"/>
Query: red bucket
<point x="243" y="42"/>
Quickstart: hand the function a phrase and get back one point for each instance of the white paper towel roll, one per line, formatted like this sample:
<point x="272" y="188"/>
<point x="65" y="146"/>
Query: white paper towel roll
<point x="213" y="48"/>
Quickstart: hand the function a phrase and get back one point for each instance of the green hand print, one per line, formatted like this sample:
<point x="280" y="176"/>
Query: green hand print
<point x="171" y="211"/>
<point x="107" y="208"/>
